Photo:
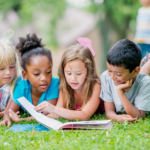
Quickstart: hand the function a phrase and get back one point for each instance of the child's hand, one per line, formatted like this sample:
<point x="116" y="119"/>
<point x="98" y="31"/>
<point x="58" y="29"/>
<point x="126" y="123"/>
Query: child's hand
<point x="1" y="114"/>
<point x="44" y="106"/>
<point x="14" y="116"/>
<point x="6" y="122"/>
<point x="124" y="87"/>
<point x="129" y="118"/>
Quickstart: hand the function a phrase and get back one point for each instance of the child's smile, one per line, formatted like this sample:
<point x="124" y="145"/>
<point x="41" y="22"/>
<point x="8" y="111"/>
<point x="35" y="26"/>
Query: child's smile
<point x="119" y="75"/>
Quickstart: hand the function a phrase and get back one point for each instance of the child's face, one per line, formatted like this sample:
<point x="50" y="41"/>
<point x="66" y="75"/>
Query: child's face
<point x="75" y="74"/>
<point x="119" y="75"/>
<point x="39" y="73"/>
<point x="7" y="74"/>
<point x="145" y="3"/>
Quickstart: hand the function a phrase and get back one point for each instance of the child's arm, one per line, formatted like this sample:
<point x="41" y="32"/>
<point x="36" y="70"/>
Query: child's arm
<point x="3" y="112"/>
<point x="110" y="113"/>
<point x="129" y="108"/>
<point x="146" y="68"/>
<point x="16" y="118"/>
<point x="11" y="105"/>
<point x="84" y="114"/>
<point x="60" y="103"/>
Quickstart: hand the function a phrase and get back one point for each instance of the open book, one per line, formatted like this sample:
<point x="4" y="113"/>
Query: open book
<point x="57" y="125"/>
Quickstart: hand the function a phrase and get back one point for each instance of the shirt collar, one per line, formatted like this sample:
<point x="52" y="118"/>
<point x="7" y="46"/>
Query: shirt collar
<point x="5" y="87"/>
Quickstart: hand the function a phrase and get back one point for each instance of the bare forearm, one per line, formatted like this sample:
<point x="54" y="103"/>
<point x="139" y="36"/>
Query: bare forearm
<point x="70" y="114"/>
<point x="113" y="116"/>
<point x="146" y="68"/>
<point x="119" y="118"/>
<point x="52" y="115"/>
<point x="129" y="108"/>
<point x="26" y="119"/>
<point x="6" y="115"/>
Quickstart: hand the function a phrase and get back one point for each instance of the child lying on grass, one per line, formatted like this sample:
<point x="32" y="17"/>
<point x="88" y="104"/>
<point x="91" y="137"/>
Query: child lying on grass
<point x="38" y="85"/>
<point x="79" y="86"/>
<point x="124" y="88"/>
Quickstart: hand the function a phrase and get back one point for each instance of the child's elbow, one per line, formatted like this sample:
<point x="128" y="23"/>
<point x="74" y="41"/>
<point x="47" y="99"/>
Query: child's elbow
<point x="84" y="117"/>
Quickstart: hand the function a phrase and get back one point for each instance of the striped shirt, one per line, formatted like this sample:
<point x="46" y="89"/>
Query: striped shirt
<point x="142" y="34"/>
<point x="4" y="96"/>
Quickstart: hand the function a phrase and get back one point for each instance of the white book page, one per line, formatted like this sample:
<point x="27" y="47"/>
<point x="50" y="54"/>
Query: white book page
<point x="46" y="121"/>
<point x="102" y="122"/>
<point x="87" y="126"/>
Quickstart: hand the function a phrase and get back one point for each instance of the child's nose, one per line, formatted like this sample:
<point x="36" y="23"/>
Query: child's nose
<point x="7" y="71"/>
<point x="73" y="77"/>
<point x="43" y="77"/>
<point x="113" y="76"/>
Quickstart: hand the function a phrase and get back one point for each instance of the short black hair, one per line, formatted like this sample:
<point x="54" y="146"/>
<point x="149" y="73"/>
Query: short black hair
<point x="31" y="46"/>
<point x="125" y="53"/>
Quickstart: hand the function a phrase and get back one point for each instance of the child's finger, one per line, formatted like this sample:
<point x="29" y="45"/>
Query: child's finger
<point x="17" y="112"/>
<point x="39" y="109"/>
<point x="130" y="82"/>
<point x="2" y="123"/>
<point x="8" y="123"/>
<point x="10" y="115"/>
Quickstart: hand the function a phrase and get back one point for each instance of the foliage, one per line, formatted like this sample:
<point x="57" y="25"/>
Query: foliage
<point x="117" y="18"/>
<point x="29" y="10"/>
<point x="120" y="136"/>
<point x="119" y="13"/>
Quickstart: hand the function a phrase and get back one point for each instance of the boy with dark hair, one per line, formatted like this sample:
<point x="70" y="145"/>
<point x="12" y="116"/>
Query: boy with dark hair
<point x="124" y="88"/>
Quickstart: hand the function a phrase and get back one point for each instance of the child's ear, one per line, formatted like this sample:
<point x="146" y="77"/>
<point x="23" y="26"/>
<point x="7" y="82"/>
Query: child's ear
<point x="136" y="71"/>
<point x="24" y="74"/>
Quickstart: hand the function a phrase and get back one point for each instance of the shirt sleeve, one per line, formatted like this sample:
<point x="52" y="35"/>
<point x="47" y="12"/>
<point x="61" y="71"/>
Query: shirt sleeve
<point x="53" y="90"/>
<point x="17" y="93"/>
<point x="105" y="88"/>
<point x="142" y="101"/>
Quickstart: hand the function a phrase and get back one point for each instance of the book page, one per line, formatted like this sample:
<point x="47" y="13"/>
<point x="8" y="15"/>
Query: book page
<point x="103" y="124"/>
<point x="74" y="127"/>
<point x="39" y="117"/>
<point x="99" y="122"/>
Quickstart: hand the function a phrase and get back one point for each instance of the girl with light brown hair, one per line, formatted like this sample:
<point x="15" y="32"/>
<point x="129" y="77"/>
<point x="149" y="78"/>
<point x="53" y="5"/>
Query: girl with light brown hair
<point x="79" y="88"/>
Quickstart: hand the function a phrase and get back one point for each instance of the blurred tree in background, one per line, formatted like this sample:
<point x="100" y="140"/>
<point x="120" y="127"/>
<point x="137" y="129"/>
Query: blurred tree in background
<point x="29" y="9"/>
<point x="116" y="19"/>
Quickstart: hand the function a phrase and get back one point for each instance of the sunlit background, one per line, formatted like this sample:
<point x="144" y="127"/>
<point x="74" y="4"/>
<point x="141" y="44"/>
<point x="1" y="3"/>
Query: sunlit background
<point x="61" y="22"/>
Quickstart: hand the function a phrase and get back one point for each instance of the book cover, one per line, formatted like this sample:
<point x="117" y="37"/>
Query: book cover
<point x="28" y="127"/>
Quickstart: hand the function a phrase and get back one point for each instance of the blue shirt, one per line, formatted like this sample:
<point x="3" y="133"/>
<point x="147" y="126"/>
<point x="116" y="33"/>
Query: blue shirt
<point x="23" y="88"/>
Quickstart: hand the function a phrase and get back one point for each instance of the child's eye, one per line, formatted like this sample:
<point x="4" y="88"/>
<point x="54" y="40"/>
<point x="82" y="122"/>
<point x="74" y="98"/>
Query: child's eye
<point x="49" y="72"/>
<point x="36" y="74"/>
<point x="79" y="73"/>
<point x="118" y="74"/>
<point x="12" y="66"/>
<point x="68" y="73"/>
<point x="1" y="68"/>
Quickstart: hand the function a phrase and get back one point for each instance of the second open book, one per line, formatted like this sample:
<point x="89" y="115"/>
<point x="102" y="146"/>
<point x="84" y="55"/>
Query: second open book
<point x="57" y="125"/>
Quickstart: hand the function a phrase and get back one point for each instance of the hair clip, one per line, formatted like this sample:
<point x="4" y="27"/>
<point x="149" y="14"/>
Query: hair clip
<point x="86" y="42"/>
<point x="8" y="34"/>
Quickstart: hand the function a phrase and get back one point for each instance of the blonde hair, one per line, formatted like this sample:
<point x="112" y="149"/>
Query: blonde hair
<point x="78" y="52"/>
<point x="9" y="56"/>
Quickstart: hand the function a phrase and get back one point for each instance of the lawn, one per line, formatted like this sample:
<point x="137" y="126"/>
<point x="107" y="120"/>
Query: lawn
<point x="120" y="136"/>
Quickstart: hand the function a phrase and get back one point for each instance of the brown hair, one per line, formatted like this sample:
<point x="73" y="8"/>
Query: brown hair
<point x="78" y="52"/>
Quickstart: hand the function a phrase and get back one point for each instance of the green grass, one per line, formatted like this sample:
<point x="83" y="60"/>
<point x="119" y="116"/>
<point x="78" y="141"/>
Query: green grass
<point x="121" y="137"/>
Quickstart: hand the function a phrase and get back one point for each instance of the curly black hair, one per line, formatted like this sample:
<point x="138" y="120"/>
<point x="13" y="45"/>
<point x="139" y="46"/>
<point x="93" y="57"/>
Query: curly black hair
<point x="31" y="46"/>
